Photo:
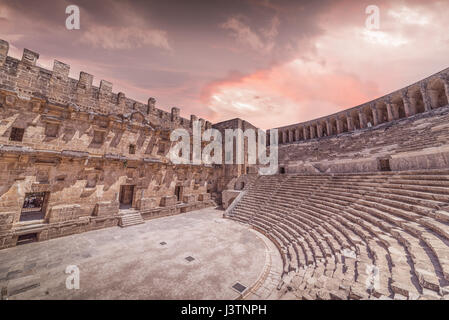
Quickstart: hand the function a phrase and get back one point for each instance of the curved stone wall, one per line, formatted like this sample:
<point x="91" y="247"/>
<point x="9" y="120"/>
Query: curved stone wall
<point x="423" y="96"/>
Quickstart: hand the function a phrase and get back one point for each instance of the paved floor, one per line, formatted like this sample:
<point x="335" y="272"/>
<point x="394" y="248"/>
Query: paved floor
<point x="131" y="263"/>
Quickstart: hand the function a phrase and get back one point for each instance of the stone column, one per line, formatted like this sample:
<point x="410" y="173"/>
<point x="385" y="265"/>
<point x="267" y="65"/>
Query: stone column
<point x="375" y="114"/>
<point x="389" y="111"/>
<point x="339" y="126"/>
<point x="290" y="136"/>
<point x="433" y="95"/>
<point x="320" y="130"/>
<point x="445" y="79"/>
<point x="312" y="132"/>
<point x="304" y="133"/>
<point x="193" y="118"/>
<point x="425" y="96"/>
<point x="349" y="121"/>
<point x="362" y="119"/>
<point x="329" y="128"/>
<point x="395" y="109"/>
<point x="407" y="107"/>
<point x="413" y="105"/>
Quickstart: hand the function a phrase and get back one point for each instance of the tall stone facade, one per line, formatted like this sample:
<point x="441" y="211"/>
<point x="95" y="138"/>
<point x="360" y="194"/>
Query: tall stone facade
<point x="76" y="157"/>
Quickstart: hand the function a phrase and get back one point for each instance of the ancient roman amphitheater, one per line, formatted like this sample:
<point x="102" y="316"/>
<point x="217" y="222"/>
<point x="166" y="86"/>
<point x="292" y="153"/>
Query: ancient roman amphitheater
<point x="359" y="207"/>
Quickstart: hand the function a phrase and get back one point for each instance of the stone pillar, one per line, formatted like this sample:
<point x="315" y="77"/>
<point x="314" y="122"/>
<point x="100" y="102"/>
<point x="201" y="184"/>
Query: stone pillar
<point x="395" y="110"/>
<point x="362" y="119"/>
<point x="445" y="79"/>
<point x="350" y="123"/>
<point x="193" y="118"/>
<point x="319" y="129"/>
<point x="297" y="134"/>
<point x="413" y="104"/>
<point x="328" y="128"/>
<point x="339" y="126"/>
<point x="304" y="133"/>
<point x="407" y="107"/>
<point x="290" y="136"/>
<point x="433" y="95"/>
<point x="312" y="132"/>
<point x="389" y="111"/>
<point x="425" y="96"/>
<point x="375" y="114"/>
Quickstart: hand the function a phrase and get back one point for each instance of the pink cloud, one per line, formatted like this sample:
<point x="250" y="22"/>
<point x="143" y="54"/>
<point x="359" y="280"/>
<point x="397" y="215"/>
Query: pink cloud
<point x="283" y="94"/>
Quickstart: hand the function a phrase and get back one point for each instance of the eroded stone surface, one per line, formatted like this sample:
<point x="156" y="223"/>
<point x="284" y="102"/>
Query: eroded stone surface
<point x="130" y="263"/>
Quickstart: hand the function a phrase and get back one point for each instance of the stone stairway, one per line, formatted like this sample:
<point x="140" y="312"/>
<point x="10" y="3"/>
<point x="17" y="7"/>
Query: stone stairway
<point x="356" y="236"/>
<point x="130" y="219"/>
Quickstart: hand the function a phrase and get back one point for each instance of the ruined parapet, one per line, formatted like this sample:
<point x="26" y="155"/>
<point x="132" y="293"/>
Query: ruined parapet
<point x="28" y="81"/>
<point x="4" y="48"/>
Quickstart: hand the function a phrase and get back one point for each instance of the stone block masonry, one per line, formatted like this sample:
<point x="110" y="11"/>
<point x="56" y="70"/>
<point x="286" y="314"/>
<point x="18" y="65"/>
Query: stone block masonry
<point x="75" y="157"/>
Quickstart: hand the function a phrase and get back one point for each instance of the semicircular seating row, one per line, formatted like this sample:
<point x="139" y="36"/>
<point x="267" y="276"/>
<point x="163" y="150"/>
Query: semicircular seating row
<point x="429" y="130"/>
<point x="356" y="236"/>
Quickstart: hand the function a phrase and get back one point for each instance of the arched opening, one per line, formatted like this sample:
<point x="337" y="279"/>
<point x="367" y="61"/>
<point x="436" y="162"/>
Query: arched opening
<point x="313" y="131"/>
<point x="344" y="124"/>
<point x="368" y="114"/>
<point x="382" y="112"/>
<point x="281" y="137"/>
<point x="306" y="132"/>
<point x="355" y="119"/>
<point x="398" y="108"/>
<point x="437" y="94"/>
<point x="323" y="129"/>
<point x="300" y="134"/>
<point x="333" y="123"/>
<point x="416" y="100"/>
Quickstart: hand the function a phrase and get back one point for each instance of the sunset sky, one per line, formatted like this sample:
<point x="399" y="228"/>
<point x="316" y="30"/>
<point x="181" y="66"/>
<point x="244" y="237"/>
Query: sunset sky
<point x="272" y="63"/>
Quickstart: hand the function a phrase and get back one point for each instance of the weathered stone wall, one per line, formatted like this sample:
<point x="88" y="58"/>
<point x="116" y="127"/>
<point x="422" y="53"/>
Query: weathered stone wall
<point x="413" y="143"/>
<point x="231" y="172"/>
<point x="80" y="145"/>
<point x="420" y="97"/>
<point x="406" y="126"/>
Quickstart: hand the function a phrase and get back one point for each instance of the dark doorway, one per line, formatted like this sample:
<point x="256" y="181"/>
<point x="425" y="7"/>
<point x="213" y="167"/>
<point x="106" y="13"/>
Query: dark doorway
<point x="34" y="206"/>
<point x="126" y="196"/>
<point x="384" y="165"/>
<point x="178" y="193"/>
<point x="281" y="170"/>
<point x="26" y="238"/>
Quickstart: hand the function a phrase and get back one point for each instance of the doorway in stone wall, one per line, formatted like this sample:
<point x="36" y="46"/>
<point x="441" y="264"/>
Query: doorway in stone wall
<point x="34" y="206"/>
<point x="178" y="193"/>
<point x="384" y="165"/>
<point x="126" y="196"/>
